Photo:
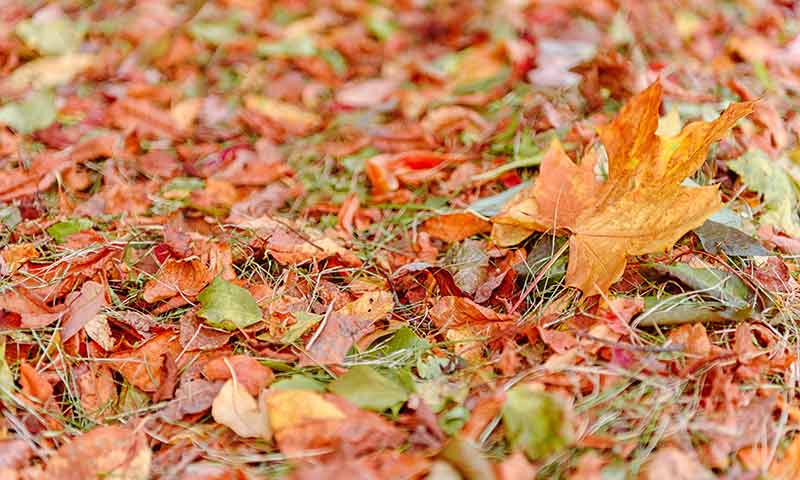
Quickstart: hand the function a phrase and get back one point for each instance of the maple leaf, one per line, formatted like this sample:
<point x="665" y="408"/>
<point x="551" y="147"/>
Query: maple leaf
<point x="641" y="208"/>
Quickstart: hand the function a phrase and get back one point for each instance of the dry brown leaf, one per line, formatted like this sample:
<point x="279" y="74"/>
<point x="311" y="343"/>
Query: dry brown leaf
<point x="107" y="452"/>
<point x="451" y="311"/>
<point x="96" y="388"/>
<point x="454" y="227"/>
<point x="292" y="244"/>
<point x="252" y="375"/>
<point x="310" y="421"/>
<point x="177" y="277"/>
<point x="33" y="384"/>
<point x="32" y="311"/>
<point x="14" y="453"/>
<point x="143" y="367"/>
<point x="641" y="208"/>
<point x="14" y="256"/>
<point x="675" y="464"/>
<point x="83" y="308"/>
<point x="344" y="327"/>
<point x="788" y="466"/>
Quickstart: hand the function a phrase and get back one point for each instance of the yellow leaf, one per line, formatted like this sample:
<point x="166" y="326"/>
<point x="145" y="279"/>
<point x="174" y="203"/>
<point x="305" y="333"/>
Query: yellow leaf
<point x="291" y="408"/>
<point x="283" y="112"/>
<point x="49" y="71"/>
<point x="641" y="208"/>
<point x="235" y="408"/>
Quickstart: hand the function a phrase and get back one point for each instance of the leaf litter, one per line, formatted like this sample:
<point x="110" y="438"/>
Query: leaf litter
<point x="442" y="240"/>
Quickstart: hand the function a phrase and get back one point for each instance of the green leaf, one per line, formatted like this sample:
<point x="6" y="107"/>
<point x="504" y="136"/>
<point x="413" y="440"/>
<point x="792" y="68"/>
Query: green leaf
<point x="452" y="420"/>
<point x="228" y="306"/>
<point x="303" y="321"/>
<point x="380" y="26"/>
<point x="366" y="388"/>
<point x="679" y="310"/>
<point x="723" y="286"/>
<point x="717" y="237"/>
<point x="766" y="177"/>
<point x="52" y="37"/>
<point x="35" y="112"/>
<point x="535" y="422"/>
<point x="10" y="216"/>
<point x="298" y="382"/>
<point x="335" y="59"/>
<point x="403" y="340"/>
<point x="215" y="32"/>
<point x="61" y="230"/>
<point x="291" y="47"/>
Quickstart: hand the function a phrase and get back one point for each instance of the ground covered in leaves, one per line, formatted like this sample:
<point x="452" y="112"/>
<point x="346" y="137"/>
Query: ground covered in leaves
<point x="400" y="240"/>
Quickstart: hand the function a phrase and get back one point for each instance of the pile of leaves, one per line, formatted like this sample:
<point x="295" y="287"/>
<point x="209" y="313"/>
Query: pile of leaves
<point x="414" y="239"/>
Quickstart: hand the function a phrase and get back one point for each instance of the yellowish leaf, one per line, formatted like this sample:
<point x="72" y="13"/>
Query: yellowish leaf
<point x="283" y="113"/>
<point x="292" y="408"/>
<point x="48" y="71"/>
<point x="641" y="208"/>
<point x="235" y="408"/>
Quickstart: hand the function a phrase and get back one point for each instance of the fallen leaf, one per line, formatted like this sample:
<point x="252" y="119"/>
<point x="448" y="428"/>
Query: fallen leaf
<point x="14" y="256"/>
<point x="641" y="208"/>
<point x="32" y="311"/>
<point x="83" y="308"/>
<point x="191" y="396"/>
<point x="366" y="93"/>
<point x="143" y="367"/>
<point x="451" y="311"/>
<point x="693" y="338"/>
<point x="14" y="454"/>
<point x="251" y="374"/>
<point x="97" y="389"/>
<point x="454" y="227"/>
<point x="48" y="72"/>
<point x="717" y="237"/>
<point x="670" y="462"/>
<point x="768" y="178"/>
<point x="332" y="424"/>
<point x="467" y="458"/>
<point x="366" y="388"/>
<point x="300" y="120"/>
<point x="535" y="422"/>
<point x="344" y="327"/>
<point x="228" y="306"/>
<point x="52" y="36"/>
<point x="788" y="466"/>
<point x="239" y="411"/>
<point x="106" y="451"/>
<point x="177" y="277"/>
<point x="33" y="384"/>
<point x="294" y="408"/>
<point x="35" y="112"/>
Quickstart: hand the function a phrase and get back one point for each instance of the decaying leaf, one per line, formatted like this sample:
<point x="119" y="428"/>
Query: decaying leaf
<point x="641" y="208"/>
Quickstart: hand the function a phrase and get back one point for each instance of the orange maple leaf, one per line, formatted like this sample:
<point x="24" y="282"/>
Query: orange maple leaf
<point x="642" y="206"/>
